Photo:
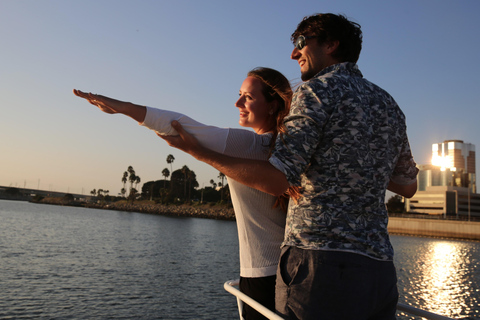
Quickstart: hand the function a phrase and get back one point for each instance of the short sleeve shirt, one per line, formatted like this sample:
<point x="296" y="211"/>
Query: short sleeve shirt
<point x="346" y="139"/>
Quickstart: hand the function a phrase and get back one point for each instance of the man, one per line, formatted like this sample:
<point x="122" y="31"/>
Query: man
<point x="345" y="144"/>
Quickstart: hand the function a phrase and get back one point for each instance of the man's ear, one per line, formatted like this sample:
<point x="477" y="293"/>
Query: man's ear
<point x="332" y="46"/>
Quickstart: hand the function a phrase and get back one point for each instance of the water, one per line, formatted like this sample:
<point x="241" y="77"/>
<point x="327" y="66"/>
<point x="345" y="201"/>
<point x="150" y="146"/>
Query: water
<point x="441" y="276"/>
<point x="75" y="263"/>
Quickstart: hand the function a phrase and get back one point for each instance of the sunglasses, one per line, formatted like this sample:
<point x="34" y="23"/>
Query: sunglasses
<point x="301" y="41"/>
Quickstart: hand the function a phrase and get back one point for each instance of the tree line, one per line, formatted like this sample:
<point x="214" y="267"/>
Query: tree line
<point x="182" y="187"/>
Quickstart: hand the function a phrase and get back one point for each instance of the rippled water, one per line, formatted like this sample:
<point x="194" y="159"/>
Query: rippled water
<point x="441" y="276"/>
<point x="75" y="263"/>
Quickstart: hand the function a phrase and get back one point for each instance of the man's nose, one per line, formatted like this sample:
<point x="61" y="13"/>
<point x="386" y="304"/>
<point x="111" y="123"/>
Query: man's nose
<point x="295" y="54"/>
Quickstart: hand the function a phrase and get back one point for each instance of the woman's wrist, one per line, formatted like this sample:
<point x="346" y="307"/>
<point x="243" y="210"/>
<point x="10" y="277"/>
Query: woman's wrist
<point x="135" y="112"/>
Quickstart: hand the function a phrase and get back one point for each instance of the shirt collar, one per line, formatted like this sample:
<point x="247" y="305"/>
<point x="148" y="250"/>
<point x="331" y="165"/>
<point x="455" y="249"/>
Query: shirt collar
<point x="343" y="67"/>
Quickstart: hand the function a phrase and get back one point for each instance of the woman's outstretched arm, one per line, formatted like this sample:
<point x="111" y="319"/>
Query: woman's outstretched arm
<point x="160" y="120"/>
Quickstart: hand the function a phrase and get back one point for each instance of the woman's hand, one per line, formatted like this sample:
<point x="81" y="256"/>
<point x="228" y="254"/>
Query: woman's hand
<point x="112" y="106"/>
<point x="105" y="104"/>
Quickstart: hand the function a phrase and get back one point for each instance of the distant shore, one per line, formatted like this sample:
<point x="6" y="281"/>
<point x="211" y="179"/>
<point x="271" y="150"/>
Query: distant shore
<point x="450" y="229"/>
<point x="209" y="211"/>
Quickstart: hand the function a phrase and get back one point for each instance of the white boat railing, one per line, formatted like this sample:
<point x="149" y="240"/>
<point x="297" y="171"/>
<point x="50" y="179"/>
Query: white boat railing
<point x="243" y="298"/>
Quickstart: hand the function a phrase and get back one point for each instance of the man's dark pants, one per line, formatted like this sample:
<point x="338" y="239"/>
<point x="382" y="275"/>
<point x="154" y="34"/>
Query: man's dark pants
<point x="317" y="284"/>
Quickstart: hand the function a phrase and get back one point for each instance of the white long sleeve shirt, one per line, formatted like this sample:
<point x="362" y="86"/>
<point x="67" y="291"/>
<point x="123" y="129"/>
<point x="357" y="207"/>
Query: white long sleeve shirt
<point x="260" y="227"/>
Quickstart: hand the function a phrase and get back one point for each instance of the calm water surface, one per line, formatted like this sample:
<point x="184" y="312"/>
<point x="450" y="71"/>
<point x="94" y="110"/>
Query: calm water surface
<point x="75" y="263"/>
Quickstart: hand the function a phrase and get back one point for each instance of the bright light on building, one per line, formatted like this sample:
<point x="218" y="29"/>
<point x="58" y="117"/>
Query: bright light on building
<point x="447" y="185"/>
<point x="444" y="162"/>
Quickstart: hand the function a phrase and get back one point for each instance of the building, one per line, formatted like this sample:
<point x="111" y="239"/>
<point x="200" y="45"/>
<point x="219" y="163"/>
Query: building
<point x="448" y="185"/>
<point x="459" y="158"/>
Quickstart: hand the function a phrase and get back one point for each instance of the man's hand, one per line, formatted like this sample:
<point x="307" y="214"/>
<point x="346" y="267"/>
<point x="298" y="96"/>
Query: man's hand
<point x="257" y="174"/>
<point x="184" y="141"/>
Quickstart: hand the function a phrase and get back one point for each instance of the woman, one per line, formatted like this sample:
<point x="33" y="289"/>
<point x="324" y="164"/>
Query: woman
<point x="264" y="101"/>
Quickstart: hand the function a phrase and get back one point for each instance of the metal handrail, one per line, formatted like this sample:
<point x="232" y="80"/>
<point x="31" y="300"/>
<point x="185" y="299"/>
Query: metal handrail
<point x="421" y="312"/>
<point x="243" y="298"/>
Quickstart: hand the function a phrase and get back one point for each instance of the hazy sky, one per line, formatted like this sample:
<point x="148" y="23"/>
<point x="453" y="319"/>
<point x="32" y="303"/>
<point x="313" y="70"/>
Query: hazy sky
<point x="192" y="56"/>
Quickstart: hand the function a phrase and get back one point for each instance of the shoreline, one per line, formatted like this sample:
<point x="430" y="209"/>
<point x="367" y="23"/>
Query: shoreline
<point x="207" y="211"/>
<point x="449" y="229"/>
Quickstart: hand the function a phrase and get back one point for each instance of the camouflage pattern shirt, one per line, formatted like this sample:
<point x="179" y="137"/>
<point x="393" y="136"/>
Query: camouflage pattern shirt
<point x="346" y="138"/>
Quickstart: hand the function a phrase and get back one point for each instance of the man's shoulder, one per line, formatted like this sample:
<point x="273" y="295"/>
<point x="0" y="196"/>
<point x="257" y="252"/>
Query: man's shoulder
<point x="328" y="84"/>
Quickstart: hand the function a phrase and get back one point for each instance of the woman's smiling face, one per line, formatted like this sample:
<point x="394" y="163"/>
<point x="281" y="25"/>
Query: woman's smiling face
<point x="254" y="108"/>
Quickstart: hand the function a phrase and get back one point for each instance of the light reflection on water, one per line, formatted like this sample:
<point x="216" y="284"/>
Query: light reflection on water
<point x="444" y="273"/>
<point x="440" y="276"/>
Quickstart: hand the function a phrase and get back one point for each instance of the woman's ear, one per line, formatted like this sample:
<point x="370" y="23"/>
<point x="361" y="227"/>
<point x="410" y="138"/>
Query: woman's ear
<point x="273" y="107"/>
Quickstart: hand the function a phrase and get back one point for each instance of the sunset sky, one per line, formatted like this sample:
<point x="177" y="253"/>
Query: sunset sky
<point x="191" y="57"/>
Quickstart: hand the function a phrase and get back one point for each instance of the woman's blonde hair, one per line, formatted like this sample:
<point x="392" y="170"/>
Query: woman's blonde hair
<point x="276" y="87"/>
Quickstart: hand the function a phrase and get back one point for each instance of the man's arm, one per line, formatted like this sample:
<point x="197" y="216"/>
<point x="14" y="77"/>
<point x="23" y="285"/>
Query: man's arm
<point x="257" y="174"/>
<point x="406" y="191"/>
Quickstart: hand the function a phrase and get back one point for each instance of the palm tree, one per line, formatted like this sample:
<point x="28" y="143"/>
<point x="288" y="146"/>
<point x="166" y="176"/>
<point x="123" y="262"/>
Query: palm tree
<point x="170" y="159"/>
<point x="222" y="177"/>
<point x="124" y="180"/>
<point x="212" y="182"/>
<point x="165" y="173"/>
<point x="132" y="177"/>
<point x="137" y="181"/>
<point x="105" y="194"/>
<point x="185" y="171"/>
<point x="101" y="195"/>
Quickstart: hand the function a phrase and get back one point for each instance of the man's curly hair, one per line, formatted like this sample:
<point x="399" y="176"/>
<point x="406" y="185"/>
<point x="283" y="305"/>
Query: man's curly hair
<point x="331" y="27"/>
